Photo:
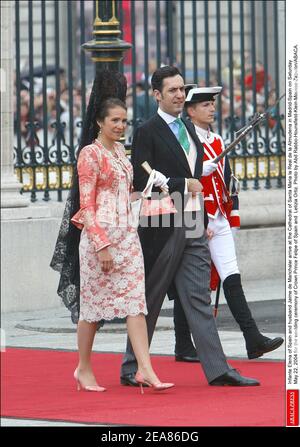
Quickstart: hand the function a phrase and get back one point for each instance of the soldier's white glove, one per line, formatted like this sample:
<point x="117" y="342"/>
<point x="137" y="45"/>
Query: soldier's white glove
<point x="234" y="230"/>
<point x="208" y="168"/>
<point x="160" y="180"/>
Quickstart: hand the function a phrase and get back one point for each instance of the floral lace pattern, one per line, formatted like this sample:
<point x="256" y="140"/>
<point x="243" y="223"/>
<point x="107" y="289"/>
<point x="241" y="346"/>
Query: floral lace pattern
<point x="105" y="181"/>
<point x="119" y="292"/>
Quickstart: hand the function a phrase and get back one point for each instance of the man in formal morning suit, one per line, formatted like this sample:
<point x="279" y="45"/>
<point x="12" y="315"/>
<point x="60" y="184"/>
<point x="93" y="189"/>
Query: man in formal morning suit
<point x="177" y="253"/>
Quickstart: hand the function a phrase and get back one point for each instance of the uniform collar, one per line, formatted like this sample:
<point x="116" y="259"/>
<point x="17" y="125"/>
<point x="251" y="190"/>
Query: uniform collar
<point x="206" y="133"/>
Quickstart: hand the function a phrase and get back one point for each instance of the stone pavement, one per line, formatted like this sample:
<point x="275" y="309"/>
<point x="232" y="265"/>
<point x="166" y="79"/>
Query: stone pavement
<point x="52" y="328"/>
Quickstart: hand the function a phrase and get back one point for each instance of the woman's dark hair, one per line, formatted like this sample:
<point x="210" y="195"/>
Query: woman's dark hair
<point x="160" y="74"/>
<point x="107" y="105"/>
<point x="108" y="91"/>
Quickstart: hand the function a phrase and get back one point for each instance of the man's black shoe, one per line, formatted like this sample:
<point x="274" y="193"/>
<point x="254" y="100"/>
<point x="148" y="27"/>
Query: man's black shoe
<point x="233" y="378"/>
<point x="186" y="358"/>
<point x="128" y="380"/>
<point x="267" y="345"/>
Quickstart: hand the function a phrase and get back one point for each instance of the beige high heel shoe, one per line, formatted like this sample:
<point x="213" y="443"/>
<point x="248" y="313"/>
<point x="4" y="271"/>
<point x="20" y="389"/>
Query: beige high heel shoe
<point x="96" y="388"/>
<point x="158" y="386"/>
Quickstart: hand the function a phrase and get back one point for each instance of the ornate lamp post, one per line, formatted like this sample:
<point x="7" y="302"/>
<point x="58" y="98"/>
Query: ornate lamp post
<point x="106" y="49"/>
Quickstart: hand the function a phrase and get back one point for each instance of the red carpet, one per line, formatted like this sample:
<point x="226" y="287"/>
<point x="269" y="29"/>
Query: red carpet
<point x="38" y="384"/>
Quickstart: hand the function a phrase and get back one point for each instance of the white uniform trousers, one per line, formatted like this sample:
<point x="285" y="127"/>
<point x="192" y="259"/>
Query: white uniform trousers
<point x="222" y="248"/>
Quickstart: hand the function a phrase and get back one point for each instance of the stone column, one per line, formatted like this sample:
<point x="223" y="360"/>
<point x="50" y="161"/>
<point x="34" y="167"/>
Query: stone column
<point x="10" y="186"/>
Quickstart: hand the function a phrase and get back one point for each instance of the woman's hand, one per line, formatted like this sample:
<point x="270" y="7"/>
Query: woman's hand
<point x="106" y="260"/>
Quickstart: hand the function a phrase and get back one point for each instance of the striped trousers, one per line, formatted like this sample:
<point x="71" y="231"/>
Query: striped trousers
<point x="186" y="261"/>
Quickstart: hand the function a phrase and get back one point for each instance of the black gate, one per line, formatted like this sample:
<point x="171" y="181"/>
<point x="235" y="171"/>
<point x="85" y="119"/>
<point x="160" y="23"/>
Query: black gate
<point x="236" y="44"/>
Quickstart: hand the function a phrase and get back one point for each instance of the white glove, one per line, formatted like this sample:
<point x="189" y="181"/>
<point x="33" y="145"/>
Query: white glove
<point x="208" y="168"/>
<point x="160" y="180"/>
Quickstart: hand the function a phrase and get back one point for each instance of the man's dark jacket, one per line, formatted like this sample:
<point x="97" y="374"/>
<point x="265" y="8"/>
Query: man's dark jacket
<point x="155" y="143"/>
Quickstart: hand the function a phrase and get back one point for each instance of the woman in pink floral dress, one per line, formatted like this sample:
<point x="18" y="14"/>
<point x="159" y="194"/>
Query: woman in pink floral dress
<point x="111" y="261"/>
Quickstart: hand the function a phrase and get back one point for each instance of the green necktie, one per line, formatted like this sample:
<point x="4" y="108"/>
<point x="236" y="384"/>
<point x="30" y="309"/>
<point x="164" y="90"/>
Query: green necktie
<point x="182" y="135"/>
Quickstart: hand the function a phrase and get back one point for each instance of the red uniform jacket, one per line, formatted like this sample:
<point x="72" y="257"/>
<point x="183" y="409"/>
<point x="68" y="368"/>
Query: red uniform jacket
<point x="218" y="194"/>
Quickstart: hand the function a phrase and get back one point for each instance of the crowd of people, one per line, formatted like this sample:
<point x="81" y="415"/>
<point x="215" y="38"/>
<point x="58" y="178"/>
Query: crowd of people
<point x="142" y="111"/>
<point x="24" y="112"/>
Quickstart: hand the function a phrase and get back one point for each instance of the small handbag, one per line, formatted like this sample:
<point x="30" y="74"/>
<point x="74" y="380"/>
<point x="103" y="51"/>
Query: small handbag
<point x="145" y="206"/>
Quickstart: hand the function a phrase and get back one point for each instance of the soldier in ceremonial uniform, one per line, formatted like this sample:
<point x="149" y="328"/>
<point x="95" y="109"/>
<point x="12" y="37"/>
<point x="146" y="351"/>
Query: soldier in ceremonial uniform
<point x="221" y="204"/>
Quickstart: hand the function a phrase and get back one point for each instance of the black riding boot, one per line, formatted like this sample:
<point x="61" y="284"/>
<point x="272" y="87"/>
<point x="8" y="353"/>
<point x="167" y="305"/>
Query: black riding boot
<point x="184" y="347"/>
<point x="256" y="343"/>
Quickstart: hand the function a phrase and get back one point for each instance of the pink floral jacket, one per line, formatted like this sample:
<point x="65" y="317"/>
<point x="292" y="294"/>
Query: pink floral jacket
<point x="105" y="183"/>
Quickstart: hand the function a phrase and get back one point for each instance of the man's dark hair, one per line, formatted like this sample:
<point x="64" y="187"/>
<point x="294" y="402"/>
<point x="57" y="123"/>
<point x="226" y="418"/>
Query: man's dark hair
<point x="160" y="74"/>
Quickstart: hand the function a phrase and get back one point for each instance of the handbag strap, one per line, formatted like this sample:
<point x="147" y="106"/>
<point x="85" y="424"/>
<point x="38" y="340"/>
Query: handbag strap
<point x="148" y="189"/>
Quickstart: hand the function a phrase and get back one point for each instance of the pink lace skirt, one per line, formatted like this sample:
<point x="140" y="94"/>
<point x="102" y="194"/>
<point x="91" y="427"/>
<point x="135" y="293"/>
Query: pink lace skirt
<point x="119" y="292"/>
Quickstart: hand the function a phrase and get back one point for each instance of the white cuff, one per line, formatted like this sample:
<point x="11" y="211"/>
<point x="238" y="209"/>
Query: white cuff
<point x="186" y="186"/>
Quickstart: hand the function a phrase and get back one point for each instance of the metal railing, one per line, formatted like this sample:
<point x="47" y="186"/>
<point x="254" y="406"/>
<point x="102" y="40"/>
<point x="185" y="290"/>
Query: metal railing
<point x="211" y="42"/>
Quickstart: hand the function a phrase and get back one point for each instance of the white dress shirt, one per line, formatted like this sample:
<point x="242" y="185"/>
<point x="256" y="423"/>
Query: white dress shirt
<point x="193" y="203"/>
